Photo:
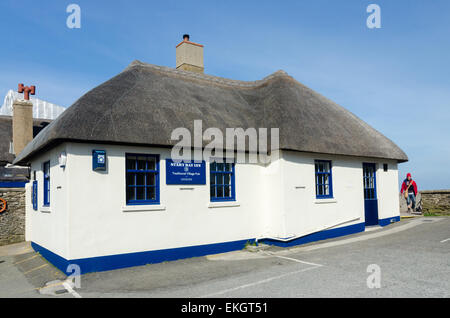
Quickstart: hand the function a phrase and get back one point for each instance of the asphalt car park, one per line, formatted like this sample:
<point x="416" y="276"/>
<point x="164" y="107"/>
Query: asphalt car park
<point x="407" y="259"/>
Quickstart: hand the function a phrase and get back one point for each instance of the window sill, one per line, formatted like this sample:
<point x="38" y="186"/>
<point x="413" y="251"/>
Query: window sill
<point x="223" y="204"/>
<point x="143" y="208"/>
<point x="45" y="209"/>
<point x="323" y="201"/>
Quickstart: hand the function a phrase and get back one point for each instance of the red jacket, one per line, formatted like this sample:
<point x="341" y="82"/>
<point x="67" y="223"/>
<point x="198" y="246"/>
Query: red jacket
<point x="413" y="183"/>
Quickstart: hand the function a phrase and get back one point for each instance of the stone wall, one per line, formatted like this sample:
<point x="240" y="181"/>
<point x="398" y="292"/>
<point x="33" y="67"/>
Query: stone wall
<point x="436" y="201"/>
<point x="12" y="221"/>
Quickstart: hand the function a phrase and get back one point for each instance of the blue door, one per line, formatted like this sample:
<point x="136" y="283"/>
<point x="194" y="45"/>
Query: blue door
<point x="370" y="194"/>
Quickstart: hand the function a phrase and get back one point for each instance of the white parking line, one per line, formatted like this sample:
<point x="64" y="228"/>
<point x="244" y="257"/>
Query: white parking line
<point x="445" y="240"/>
<point x="364" y="237"/>
<point x="292" y="259"/>
<point x="258" y="282"/>
<point x="70" y="290"/>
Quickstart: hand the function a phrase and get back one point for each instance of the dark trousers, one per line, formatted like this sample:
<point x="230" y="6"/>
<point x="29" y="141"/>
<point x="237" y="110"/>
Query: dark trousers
<point x="411" y="198"/>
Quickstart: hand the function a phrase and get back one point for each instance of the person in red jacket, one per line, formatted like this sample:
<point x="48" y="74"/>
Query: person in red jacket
<point x="410" y="186"/>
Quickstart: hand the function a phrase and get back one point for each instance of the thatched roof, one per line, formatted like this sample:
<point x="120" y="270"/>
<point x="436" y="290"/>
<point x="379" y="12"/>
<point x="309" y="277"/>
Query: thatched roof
<point x="145" y="103"/>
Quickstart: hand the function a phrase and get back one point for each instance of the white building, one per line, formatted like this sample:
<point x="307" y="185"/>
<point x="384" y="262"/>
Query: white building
<point x="105" y="194"/>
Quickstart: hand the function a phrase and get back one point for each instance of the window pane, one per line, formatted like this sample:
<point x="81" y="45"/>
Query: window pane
<point x="213" y="166"/>
<point x="140" y="179"/>
<point x="151" y="163"/>
<point x="229" y="167"/>
<point x="212" y="178"/>
<point x="130" y="194"/>
<point x="131" y="162"/>
<point x="151" y="180"/>
<point x="326" y="167"/>
<point x="325" y="179"/>
<point x="320" y="179"/>
<point x="140" y="193"/>
<point x="227" y="191"/>
<point x="219" y="178"/>
<point x="227" y="179"/>
<point x="219" y="191"/>
<point x="220" y="166"/>
<point x="151" y="193"/>
<point x="141" y="162"/>
<point x="213" y="191"/>
<point x="130" y="178"/>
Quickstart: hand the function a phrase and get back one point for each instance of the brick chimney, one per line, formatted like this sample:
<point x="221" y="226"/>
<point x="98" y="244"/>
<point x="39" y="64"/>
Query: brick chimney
<point x="22" y="124"/>
<point x="190" y="56"/>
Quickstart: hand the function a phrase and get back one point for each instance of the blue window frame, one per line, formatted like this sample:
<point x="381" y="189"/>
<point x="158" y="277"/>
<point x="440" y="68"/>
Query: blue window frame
<point x="324" y="184"/>
<point x="370" y="185"/>
<point x="46" y="169"/>
<point x="222" y="181"/>
<point x="142" y="179"/>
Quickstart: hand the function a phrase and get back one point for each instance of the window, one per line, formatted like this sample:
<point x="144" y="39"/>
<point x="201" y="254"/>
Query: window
<point x="369" y="181"/>
<point x="46" y="168"/>
<point x="221" y="179"/>
<point x="385" y="167"/>
<point x="324" y="185"/>
<point x="142" y="179"/>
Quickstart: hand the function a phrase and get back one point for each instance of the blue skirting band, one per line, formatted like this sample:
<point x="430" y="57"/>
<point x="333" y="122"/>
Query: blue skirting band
<point x="12" y="184"/>
<point x="318" y="236"/>
<point x="387" y="221"/>
<point x="110" y="262"/>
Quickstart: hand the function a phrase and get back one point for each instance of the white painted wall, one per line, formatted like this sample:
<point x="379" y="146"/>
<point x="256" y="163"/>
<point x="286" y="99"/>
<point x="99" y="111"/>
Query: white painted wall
<point x="48" y="226"/>
<point x="387" y="190"/>
<point x="304" y="213"/>
<point x="101" y="226"/>
<point x="88" y="215"/>
<point x="294" y="210"/>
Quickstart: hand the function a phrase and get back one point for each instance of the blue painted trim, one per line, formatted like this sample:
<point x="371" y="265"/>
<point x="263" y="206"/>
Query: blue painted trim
<point x="135" y="171"/>
<point x="12" y="184"/>
<point x="374" y="166"/>
<point x="330" y="178"/>
<point x="318" y="236"/>
<point x="110" y="262"/>
<point x="59" y="262"/>
<point x="46" y="169"/>
<point x="233" y="183"/>
<point x="34" y="195"/>
<point x="387" y="221"/>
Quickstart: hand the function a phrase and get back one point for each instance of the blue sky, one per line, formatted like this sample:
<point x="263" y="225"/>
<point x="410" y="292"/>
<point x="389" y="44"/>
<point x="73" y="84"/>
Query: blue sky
<point x="396" y="78"/>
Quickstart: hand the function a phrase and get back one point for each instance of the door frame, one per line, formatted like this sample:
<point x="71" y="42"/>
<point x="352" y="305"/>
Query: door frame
<point x="371" y="203"/>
